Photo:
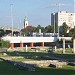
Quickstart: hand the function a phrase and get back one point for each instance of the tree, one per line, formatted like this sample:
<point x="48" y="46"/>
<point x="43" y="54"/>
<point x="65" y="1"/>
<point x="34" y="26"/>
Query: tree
<point x="49" y="29"/>
<point x="64" y="30"/>
<point x="71" y="32"/>
<point x="23" y="32"/>
<point x="5" y="44"/>
<point x="56" y="28"/>
<point x="74" y="33"/>
<point x="33" y="29"/>
<point x="74" y="30"/>
<point x="73" y="38"/>
<point x="2" y="32"/>
<point x="39" y="27"/>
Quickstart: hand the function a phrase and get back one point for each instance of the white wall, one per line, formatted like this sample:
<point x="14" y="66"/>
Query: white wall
<point x="29" y="39"/>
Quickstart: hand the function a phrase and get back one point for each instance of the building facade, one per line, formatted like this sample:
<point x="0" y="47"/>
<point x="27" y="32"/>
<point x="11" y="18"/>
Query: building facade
<point x="60" y="17"/>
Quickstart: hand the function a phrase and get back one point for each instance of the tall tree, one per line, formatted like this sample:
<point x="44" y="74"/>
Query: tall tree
<point x="56" y="28"/>
<point x="64" y="30"/>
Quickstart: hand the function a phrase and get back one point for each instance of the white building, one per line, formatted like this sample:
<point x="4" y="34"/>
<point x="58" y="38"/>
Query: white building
<point x="60" y="17"/>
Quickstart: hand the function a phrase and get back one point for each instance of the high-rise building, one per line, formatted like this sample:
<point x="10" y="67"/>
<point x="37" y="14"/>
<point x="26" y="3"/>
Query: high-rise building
<point x="25" y="22"/>
<point x="60" y="17"/>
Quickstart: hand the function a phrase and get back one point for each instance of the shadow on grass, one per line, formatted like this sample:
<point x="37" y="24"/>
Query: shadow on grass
<point x="42" y="56"/>
<point x="9" y="69"/>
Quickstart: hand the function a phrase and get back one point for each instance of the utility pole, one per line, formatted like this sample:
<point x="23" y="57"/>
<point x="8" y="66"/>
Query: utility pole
<point x="11" y="18"/>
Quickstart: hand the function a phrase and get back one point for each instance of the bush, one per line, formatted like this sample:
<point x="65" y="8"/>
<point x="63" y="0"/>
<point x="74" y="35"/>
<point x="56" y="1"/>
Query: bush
<point x="5" y="44"/>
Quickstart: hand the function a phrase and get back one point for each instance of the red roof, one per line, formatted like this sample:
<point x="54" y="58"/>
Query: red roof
<point x="29" y="27"/>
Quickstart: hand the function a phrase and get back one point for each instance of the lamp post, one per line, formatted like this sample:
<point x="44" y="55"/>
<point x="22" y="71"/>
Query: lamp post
<point x="11" y="18"/>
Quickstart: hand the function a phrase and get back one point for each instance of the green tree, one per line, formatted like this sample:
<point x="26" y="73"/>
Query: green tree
<point x="71" y="32"/>
<point x="39" y="27"/>
<point x="23" y="32"/>
<point x="56" y="28"/>
<point x="74" y="33"/>
<point x="64" y="30"/>
<point x="33" y="29"/>
<point x="5" y="44"/>
<point x="49" y="29"/>
<point x="2" y="32"/>
<point x="74" y="30"/>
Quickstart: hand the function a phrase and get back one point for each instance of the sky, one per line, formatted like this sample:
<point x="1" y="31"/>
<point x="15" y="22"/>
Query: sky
<point x="38" y="12"/>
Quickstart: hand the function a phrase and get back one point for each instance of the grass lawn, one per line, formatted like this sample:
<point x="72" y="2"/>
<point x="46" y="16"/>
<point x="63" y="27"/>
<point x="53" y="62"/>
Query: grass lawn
<point x="9" y="69"/>
<point x="33" y="54"/>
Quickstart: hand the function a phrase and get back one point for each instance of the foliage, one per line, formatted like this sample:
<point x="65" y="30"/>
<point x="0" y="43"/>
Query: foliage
<point x="56" y="28"/>
<point x="74" y="33"/>
<point x="33" y="29"/>
<point x="23" y="32"/>
<point x="5" y="44"/>
<point x="39" y="27"/>
<point x="64" y="28"/>
<point x="2" y="32"/>
<point x="71" y="32"/>
<point x="74" y="29"/>
<point x="49" y="29"/>
<point x="74" y="36"/>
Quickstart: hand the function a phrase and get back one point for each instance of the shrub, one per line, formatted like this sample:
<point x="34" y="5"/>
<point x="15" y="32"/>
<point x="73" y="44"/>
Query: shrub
<point x="5" y="44"/>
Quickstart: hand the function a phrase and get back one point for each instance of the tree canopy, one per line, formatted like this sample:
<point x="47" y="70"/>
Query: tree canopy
<point x="2" y="32"/>
<point x="64" y="30"/>
<point x="49" y="29"/>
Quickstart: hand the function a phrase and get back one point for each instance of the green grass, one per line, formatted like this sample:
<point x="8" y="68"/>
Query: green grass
<point x="67" y="51"/>
<point x="21" y="59"/>
<point x="9" y="69"/>
<point x="33" y="54"/>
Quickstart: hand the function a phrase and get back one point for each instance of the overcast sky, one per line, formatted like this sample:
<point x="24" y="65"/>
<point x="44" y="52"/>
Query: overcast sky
<point x="37" y="11"/>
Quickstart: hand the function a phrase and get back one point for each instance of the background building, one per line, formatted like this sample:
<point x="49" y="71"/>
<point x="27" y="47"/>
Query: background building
<point x="4" y="30"/>
<point x="63" y="16"/>
<point x="25" y="22"/>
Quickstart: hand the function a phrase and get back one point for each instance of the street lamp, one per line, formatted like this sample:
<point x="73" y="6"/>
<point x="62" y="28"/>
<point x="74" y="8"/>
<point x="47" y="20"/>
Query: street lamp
<point x="11" y="18"/>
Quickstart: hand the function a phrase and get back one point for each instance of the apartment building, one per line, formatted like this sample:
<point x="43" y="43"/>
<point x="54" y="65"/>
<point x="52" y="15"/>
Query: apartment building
<point x="63" y="16"/>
